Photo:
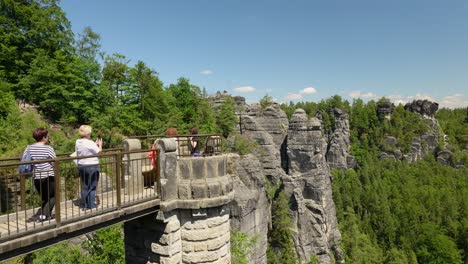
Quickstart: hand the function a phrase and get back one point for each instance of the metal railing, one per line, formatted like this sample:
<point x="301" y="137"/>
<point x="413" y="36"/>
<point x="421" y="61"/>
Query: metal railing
<point x="126" y="178"/>
<point x="209" y="144"/>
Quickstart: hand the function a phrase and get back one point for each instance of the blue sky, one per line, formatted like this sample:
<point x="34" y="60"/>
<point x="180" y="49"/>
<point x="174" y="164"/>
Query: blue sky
<point x="304" y="50"/>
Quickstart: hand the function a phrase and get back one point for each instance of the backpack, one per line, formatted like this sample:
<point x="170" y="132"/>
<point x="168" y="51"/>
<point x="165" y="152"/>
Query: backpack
<point x="26" y="168"/>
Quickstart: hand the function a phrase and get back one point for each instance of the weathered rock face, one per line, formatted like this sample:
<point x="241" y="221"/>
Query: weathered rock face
<point x="250" y="210"/>
<point x="423" y="145"/>
<point x="271" y="119"/>
<point x="338" y="148"/>
<point x="300" y="149"/>
<point x="427" y="143"/>
<point x="444" y="157"/>
<point x="268" y="127"/>
<point x="309" y="186"/>
<point x="423" y="107"/>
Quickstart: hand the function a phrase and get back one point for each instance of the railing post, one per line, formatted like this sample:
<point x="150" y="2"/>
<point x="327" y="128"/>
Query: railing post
<point x="158" y="172"/>
<point x="118" y="177"/>
<point x="58" y="194"/>
<point x="23" y="192"/>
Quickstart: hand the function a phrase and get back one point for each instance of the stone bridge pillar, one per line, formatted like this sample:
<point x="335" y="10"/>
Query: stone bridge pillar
<point x="133" y="182"/>
<point x="193" y="224"/>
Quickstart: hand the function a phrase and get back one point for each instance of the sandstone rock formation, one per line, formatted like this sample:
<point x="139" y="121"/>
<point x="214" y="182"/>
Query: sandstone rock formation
<point x="298" y="148"/>
<point x="428" y="142"/>
<point x="385" y="109"/>
<point x="309" y="186"/>
<point x="337" y="154"/>
<point x="444" y="157"/>
<point x="250" y="210"/>
<point x="423" y="145"/>
<point x="267" y="127"/>
<point x="423" y="107"/>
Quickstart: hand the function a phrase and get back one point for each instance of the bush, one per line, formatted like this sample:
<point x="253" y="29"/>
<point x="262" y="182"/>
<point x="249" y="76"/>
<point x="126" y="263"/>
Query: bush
<point x="244" y="146"/>
<point x="241" y="247"/>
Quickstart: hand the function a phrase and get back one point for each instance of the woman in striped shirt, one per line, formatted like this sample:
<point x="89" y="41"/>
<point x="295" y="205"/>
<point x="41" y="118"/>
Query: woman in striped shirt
<point x="43" y="174"/>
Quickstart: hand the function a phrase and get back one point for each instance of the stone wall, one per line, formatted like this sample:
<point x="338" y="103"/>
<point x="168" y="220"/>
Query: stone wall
<point x="192" y="183"/>
<point x="179" y="237"/>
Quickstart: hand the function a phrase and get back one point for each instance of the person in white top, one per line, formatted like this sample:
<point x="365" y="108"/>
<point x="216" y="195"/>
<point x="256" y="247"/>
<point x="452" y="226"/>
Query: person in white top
<point x="88" y="167"/>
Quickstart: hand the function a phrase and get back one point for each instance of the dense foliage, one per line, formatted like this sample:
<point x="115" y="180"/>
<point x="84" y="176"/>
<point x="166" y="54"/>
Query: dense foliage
<point x="44" y="65"/>
<point x="280" y="245"/>
<point x="103" y="247"/>
<point x="241" y="247"/>
<point x="392" y="211"/>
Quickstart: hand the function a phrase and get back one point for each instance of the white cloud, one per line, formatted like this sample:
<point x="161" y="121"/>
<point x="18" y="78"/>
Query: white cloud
<point x="308" y="90"/>
<point x="359" y="94"/>
<point x="449" y="101"/>
<point x="394" y="97"/>
<point x="206" y="72"/>
<point x="244" y="89"/>
<point x="454" y="101"/>
<point x="424" y="97"/>
<point x="293" y="96"/>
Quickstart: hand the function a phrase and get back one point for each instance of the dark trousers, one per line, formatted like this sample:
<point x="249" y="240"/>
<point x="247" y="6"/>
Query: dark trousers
<point x="46" y="188"/>
<point x="89" y="178"/>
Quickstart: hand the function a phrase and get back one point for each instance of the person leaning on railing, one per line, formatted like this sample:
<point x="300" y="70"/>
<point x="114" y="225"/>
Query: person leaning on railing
<point x="88" y="167"/>
<point x="43" y="174"/>
<point x="194" y="143"/>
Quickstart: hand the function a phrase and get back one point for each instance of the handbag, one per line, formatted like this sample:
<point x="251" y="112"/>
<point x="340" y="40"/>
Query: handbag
<point x="26" y="168"/>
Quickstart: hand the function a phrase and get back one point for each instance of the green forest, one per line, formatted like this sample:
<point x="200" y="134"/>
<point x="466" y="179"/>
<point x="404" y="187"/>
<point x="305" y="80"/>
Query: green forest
<point x="70" y="81"/>
<point x="388" y="212"/>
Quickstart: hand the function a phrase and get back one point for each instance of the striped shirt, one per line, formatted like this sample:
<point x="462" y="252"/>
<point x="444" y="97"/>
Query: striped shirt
<point x="42" y="152"/>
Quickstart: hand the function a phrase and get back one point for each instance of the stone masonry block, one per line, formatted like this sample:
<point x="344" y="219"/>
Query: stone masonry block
<point x="194" y="246"/>
<point x="214" y="189"/>
<point x="216" y="221"/>
<point x="198" y="168"/>
<point x="175" y="259"/>
<point x="199" y="191"/>
<point x="167" y="250"/>
<point x="217" y="243"/>
<point x="195" y="225"/>
<point x="170" y="187"/>
<point x="211" y="168"/>
<point x="186" y="248"/>
<point x="168" y="239"/>
<point x="172" y="226"/>
<point x="221" y="166"/>
<point x="199" y="257"/>
<point x="185" y="191"/>
<point x="224" y="251"/>
<point x="205" y="234"/>
<point x="185" y="168"/>
<point x="226" y="260"/>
